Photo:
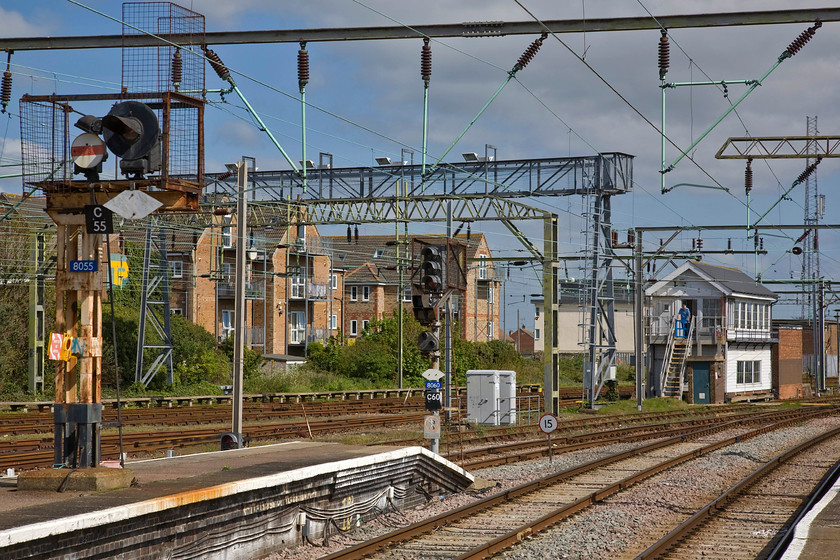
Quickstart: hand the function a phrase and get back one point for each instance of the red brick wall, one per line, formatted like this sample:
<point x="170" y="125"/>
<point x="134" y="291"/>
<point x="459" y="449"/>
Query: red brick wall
<point x="786" y="359"/>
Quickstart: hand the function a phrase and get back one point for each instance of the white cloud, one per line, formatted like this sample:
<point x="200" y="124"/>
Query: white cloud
<point x="13" y="24"/>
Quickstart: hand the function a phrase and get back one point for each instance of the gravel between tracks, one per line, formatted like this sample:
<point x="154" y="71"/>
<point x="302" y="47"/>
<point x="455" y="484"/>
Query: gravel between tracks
<point x="620" y="527"/>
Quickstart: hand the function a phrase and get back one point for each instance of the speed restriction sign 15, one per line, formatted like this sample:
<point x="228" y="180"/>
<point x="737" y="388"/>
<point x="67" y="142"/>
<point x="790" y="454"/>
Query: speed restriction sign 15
<point x="548" y="423"/>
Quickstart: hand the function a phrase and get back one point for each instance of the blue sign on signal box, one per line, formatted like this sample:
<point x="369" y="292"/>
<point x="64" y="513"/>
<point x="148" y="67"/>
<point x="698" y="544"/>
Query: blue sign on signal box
<point x="434" y="384"/>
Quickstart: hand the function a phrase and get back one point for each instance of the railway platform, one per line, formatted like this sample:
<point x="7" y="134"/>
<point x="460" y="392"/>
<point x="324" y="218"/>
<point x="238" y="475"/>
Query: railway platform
<point x="239" y="503"/>
<point x="817" y="535"/>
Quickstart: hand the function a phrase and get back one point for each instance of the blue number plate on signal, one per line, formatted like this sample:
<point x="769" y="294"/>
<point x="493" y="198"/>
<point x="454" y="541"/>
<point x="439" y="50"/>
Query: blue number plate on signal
<point x="434" y="385"/>
<point x="83" y="266"/>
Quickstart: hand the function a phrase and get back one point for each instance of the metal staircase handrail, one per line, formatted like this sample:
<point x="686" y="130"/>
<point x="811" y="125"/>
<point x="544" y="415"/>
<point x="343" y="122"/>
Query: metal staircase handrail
<point x="669" y="351"/>
<point x="688" y="338"/>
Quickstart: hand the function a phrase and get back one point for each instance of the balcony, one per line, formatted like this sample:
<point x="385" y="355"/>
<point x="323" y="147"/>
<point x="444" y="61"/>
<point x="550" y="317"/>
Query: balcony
<point x="317" y="335"/>
<point x="253" y="290"/>
<point x="708" y="331"/>
<point x="312" y="290"/>
<point x="318" y="290"/>
<point x="254" y="336"/>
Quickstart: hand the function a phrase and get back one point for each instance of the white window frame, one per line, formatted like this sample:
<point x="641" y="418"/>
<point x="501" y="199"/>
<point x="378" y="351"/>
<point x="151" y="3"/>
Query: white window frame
<point x="228" y="322"/>
<point x="406" y="297"/>
<point x="354" y="293"/>
<point x="297" y="283"/>
<point x="365" y="293"/>
<point x="482" y="267"/>
<point x="227" y="272"/>
<point x="365" y="324"/>
<point x="177" y="268"/>
<point x="333" y="281"/>
<point x="227" y="237"/>
<point x="748" y="372"/>
<point x="354" y="327"/>
<point x="491" y="293"/>
<point x="297" y="327"/>
<point x="333" y="322"/>
<point x="176" y="311"/>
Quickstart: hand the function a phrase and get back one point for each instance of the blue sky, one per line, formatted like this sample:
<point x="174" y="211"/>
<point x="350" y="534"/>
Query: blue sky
<point x="556" y="107"/>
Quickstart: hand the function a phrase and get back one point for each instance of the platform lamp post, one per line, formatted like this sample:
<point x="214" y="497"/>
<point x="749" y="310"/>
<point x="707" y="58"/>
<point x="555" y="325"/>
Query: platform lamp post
<point x="234" y="439"/>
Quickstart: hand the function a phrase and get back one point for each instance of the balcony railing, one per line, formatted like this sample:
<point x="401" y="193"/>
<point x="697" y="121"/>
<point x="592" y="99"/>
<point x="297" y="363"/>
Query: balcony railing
<point x="317" y="334"/>
<point x="253" y="290"/>
<point x="313" y="290"/>
<point x="318" y="290"/>
<point x="707" y="330"/>
<point x="254" y="336"/>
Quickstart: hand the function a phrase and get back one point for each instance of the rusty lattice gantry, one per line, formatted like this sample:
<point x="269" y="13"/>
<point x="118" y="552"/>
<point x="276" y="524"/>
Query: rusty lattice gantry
<point x="154" y="127"/>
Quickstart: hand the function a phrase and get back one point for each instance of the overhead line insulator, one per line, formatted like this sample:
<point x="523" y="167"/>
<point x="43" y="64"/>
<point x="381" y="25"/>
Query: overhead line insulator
<point x="217" y="65"/>
<point x="6" y="87"/>
<point x="748" y="177"/>
<point x="303" y="66"/>
<point x="426" y="61"/>
<point x="803" y="38"/>
<point x="664" y="54"/>
<point x="531" y="51"/>
<point x="808" y="171"/>
<point x="177" y="68"/>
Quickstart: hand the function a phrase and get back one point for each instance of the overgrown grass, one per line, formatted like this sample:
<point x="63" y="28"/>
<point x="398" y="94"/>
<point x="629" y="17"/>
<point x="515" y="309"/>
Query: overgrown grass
<point x="657" y="404"/>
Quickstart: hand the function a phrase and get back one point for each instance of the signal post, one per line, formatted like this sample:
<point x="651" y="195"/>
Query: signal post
<point x="441" y="274"/>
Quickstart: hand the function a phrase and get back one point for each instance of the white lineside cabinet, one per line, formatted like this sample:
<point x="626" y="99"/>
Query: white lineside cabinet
<point x="507" y="397"/>
<point x="491" y="396"/>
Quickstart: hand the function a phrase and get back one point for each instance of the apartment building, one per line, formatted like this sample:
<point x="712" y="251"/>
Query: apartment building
<point x="372" y="282"/>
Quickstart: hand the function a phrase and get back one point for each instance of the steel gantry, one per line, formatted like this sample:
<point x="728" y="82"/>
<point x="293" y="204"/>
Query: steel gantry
<point x="812" y="147"/>
<point x="500" y="191"/>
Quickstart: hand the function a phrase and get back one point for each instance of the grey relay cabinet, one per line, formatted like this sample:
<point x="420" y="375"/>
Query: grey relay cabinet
<point x="491" y="396"/>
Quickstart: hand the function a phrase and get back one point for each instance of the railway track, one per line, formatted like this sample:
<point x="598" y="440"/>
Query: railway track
<point x="582" y="433"/>
<point x="158" y="441"/>
<point x="751" y="519"/>
<point x="501" y="454"/>
<point x="491" y="525"/>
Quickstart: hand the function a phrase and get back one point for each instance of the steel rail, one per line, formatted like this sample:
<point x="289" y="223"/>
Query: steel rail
<point x="506" y="541"/>
<point x="534" y="449"/>
<point x="497" y="545"/>
<point x="822" y="488"/>
<point x="666" y="543"/>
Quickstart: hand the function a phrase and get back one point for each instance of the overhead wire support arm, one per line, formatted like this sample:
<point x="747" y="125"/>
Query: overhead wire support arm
<point x="224" y="73"/>
<point x="799" y="180"/>
<point x="523" y="61"/>
<point x="791" y="50"/>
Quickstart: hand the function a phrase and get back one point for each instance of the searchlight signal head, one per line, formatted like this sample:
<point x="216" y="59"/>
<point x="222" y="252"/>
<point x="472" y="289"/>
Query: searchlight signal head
<point x="131" y="132"/>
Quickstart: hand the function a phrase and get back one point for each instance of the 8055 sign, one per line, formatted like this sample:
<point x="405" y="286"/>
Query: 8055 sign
<point x="84" y="266"/>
